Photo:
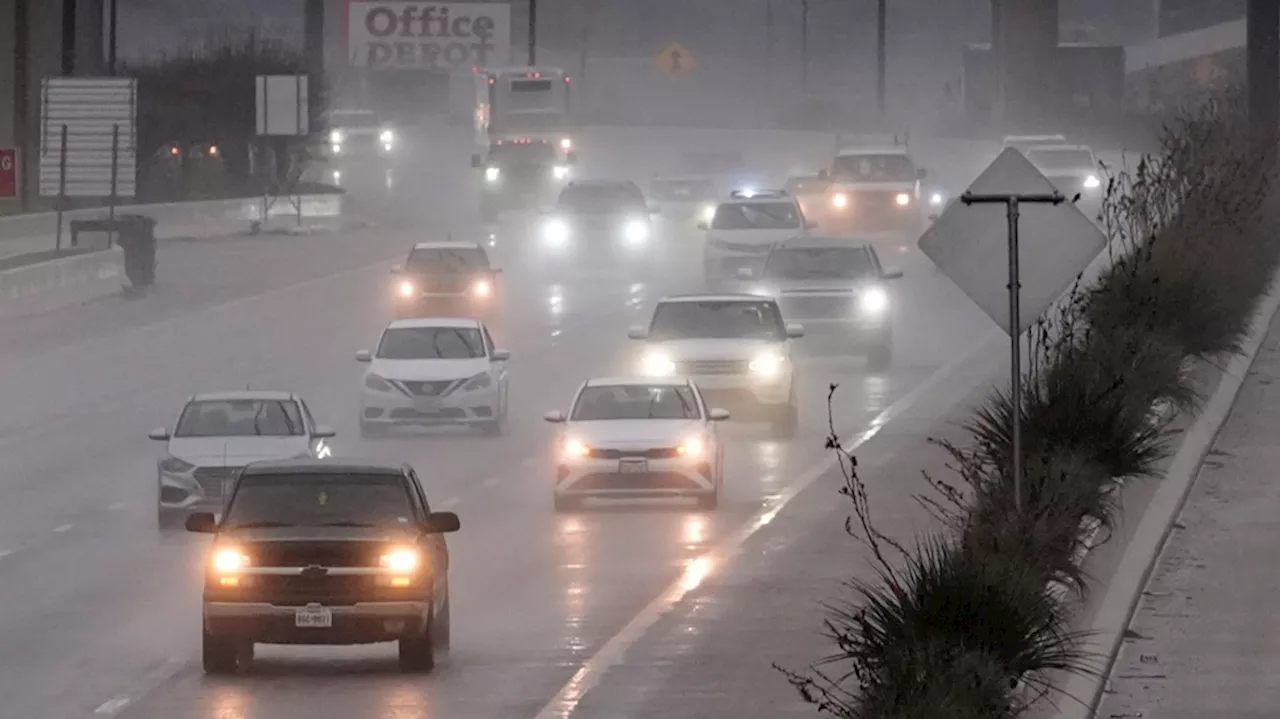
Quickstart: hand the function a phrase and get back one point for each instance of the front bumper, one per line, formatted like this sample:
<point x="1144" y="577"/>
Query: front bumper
<point x="457" y="408"/>
<point x="661" y="478"/>
<point x="745" y="389"/>
<point x="359" y="623"/>
<point x="205" y="489"/>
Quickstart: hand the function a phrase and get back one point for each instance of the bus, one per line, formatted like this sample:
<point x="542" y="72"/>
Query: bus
<point x="530" y="103"/>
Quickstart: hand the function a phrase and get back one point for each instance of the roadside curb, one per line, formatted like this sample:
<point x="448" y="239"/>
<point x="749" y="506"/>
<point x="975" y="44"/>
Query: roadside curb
<point x="1083" y="692"/>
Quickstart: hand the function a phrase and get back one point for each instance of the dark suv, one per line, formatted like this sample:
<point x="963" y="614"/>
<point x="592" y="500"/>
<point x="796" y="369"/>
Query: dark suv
<point x="326" y="552"/>
<point x="447" y="279"/>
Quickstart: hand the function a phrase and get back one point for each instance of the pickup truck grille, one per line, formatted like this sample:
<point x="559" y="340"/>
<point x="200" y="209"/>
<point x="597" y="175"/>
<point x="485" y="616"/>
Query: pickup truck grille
<point x="704" y="367"/>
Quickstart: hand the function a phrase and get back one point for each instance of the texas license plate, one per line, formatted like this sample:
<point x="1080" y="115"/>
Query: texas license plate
<point x="313" y="618"/>
<point x="633" y="466"/>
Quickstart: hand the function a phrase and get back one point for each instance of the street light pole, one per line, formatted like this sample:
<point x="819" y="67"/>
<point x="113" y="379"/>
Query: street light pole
<point x="113" y="37"/>
<point x="1262" y="64"/>
<point x="21" y="99"/>
<point x="882" y="41"/>
<point x="804" y="47"/>
<point x="533" y="33"/>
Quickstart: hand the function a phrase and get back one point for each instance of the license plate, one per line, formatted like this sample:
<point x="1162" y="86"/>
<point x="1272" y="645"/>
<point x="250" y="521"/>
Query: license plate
<point x="428" y="404"/>
<point x="313" y="618"/>
<point x="633" y="466"/>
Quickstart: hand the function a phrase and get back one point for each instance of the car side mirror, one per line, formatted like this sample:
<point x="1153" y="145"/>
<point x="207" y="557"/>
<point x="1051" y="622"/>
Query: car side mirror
<point x="476" y="162"/>
<point x="571" y="158"/>
<point x="637" y="333"/>
<point x="441" y="523"/>
<point x="922" y="173"/>
<point x="364" y="356"/>
<point x="745" y="273"/>
<point x="500" y="355"/>
<point x="201" y="523"/>
<point x="795" y="331"/>
<point x="718" y="415"/>
<point x="891" y="273"/>
<point x="555" y="416"/>
<point x="160" y="434"/>
<point x="324" y="431"/>
<point x="702" y="225"/>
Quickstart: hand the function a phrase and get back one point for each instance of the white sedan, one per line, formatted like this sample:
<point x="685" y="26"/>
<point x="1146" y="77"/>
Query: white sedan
<point x="436" y="371"/>
<point x="633" y="438"/>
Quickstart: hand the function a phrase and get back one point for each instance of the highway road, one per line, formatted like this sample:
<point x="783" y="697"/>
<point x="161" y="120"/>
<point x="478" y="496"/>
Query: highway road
<point x="99" y="613"/>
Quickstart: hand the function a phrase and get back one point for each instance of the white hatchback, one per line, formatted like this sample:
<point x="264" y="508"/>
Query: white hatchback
<point x="435" y="371"/>
<point x="638" y="437"/>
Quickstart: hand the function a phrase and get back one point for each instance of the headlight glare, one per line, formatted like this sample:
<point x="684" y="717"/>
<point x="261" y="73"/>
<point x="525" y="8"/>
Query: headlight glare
<point x="839" y="200"/>
<point x="401" y="559"/>
<point x="574" y="448"/>
<point x="657" y="364"/>
<point x="767" y="365"/>
<point x="387" y="137"/>
<point x="635" y="231"/>
<point x="405" y="288"/>
<point x="935" y="199"/>
<point x="491" y="174"/>
<point x="228" y="560"/>
<point x="337" y="137"/>
<point x="692" y="447"/>
<point x="556" y="231"/>
<point x="560" y="172"/>
<point x="1092" y="182"/>
<point x="873" y="301"/>
<point x="482" y="288"/>
<point x="903" y="199"/>
<point x="708" y="213"/>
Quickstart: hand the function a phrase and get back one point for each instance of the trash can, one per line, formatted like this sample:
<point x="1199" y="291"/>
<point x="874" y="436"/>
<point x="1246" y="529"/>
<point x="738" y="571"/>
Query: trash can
<point x="137" y="238"/>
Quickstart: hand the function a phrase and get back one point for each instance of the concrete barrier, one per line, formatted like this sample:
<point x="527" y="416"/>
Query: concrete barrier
<point x="46" y="286"/>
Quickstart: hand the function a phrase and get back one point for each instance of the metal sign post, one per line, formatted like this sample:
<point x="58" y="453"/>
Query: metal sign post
<point x="62" y="188"/>
<point x="1011" y="203"/>
<point x="115" y="184"/>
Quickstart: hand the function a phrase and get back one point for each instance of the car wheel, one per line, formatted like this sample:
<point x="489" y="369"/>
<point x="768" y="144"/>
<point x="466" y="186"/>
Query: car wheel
<point x="417" y="653"/>
<point x="786" y="421"/>
<point x="219" y="655"/>
<point x="567" y="504"/>
<point x="880" y="358"/>
<point x="441" y="628"/>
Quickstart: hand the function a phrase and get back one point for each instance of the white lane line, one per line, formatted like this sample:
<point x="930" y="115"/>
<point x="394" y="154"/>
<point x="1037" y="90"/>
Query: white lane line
<point x="491" y="482"/>
<point x="63" y="528"/>
<point x="118" y="506"/>
<point x="565" y="702"/>
<point x="5" y="552"/>
<point x="111" y="707"/>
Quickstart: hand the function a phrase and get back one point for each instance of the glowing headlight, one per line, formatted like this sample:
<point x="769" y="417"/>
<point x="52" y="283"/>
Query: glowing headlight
<point x="566" y="144"/>
<point x="656" y="364"/>
<point x="229" y="559"/>
<point x="935" y="199"/>
<point x="762" y="291"/>
<point x="840" y="200"/>
<point x="402" y="560"/>
<point x="574" y="448"/>
<point x="747" y="192"/>
<point x="873" y="301"/>
<point x="903" y="199"/>
<point x="387" y="137"/>
<point x="708" y="213"/>
<point x="1092" y="182"/>
<point x="691" y="447"/>
<point x="560" y="172"/>
<point x="482" y="288"/>
<point x="337" y="137"/>
<point x="556" y="231"/>
<point x="636" y="231"/>
<point x="491" y="174"/>
<point x="767" y="365"/>
<point x="405" y="289"/>
<point x="337" y="148"/>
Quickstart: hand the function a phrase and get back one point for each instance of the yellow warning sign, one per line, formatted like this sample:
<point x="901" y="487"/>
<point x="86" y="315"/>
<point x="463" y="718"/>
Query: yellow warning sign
<point x="675" y="59"/>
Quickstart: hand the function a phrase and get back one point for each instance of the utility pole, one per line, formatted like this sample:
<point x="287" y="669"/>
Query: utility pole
<point x="533" y="33"/>
<point x="113" y="36"/>
<point x="1262" y="62"/>
<point x="68" y="37"/>
<point x="804" y="47"/>
<point x="882" y="41"/>
<point x="22" y="99"/>
<point x="313" y="27"/>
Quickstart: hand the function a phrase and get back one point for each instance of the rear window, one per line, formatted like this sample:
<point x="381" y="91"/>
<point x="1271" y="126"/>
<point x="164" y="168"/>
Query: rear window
<point x="319" y="500"/>
<point x="756" y="216"/>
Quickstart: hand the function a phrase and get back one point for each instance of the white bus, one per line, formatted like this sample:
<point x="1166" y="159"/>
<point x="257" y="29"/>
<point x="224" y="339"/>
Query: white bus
<point x="522" y="102"/>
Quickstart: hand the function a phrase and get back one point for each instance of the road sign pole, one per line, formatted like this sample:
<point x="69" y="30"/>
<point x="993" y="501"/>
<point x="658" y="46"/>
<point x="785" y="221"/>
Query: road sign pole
<point x="1011" y="203"/>
<point x="882" y="42"/>
<point x="533" y="33"/>
<point x="62" y="187"/>
<point x="804" y="47"/>
<point x="115" y="183"/>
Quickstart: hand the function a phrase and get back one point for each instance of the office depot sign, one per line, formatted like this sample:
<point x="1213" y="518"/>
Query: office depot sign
<point x="395" y="35"/>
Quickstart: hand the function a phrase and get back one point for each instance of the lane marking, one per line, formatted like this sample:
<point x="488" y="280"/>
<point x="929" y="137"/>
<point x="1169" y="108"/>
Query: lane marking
<point x="611" y="654"/>
<point x="62" y="528"/>
<point x="5" y="552"/>
<point x="112" y="707"/>
<point x="118" y="506"/>
<point x="491" y="482"/>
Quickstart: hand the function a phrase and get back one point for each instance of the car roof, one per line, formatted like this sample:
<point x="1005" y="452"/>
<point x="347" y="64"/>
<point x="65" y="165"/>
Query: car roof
<point x="433" y="322"/>
<point x="637" y="381"/>
<point x="759" y="197"/>
<point x="855" y="150"/>
<point x="598" y="182"/>
<point x="448" y="245"/>
<point x="1032" y="138"/>
<point x="242" y="394"/>
<point x="743" y="297"/>
<point x="800" y="242"/>
<point x="1061" y="148"/>
<point x="326" y="466"/>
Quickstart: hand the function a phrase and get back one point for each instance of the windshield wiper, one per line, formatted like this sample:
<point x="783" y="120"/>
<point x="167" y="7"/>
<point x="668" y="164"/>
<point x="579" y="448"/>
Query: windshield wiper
<point x="260" y="525"/>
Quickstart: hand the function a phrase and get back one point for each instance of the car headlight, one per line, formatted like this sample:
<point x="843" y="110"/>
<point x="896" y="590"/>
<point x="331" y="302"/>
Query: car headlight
<point x="480" y="381"/>
<point x="839" y="200"/>
<point x="1092" y="182"/>
<point x="657" y="364"/>
<point x="482" y="288"/>
<point x="575" y="448"/>
<point x="767" y="365"/>
<point x="228" y="560"/>
<point x="873" y="301"/>
<point x="566" y="143"/>
<point x="556" y="231"/>
<point x="401" y="560"/>
<point x="708" y="213"/>
<point x="935" y="199"/>
<point x="560" y="172"/>
<point x="337" y="147"/>
<point x="491" y="174"/>
<point x="387" y="137"/>
<point x="903" y="199"/>
<point x="692" y="448"/>
<point x="337" y="137"/>
<point x="635" y="231"/>
<point x="376" y="383"/>
<point x="173" y="465"/>
<point x="763" y="291"/>
<point x="405" y="288"/>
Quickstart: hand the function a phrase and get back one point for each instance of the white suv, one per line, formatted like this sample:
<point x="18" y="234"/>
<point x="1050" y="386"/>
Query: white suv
<point x="434" y="371"/>
<point x="735" y="347"/>
<point x="743" y="228"/>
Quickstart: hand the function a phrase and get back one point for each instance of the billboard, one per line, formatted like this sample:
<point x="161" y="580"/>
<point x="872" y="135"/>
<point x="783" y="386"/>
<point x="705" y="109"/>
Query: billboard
<point x="408" y="35"/>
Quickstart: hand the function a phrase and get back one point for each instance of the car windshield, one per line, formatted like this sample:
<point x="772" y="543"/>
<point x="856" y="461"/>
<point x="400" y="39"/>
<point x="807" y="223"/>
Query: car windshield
<point x="240" y="418"/>
<point x="875" y="168"/>
<point x="1061" y="159"/>
<point x="540" y="153"/>
<point x="718" y="319"/>
<point x="635" y="402"/>
<point x="818" y="262"/>
<point x="601" y="198"/>
<point x="318" y="500"/>
<point x="353" y="120"/>
<point x="756" y="216"/>
<point x="446" y="260"/>
<point x="416" y="343"/>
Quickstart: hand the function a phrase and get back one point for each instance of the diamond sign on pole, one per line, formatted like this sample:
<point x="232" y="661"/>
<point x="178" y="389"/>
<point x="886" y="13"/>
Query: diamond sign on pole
<point x="970" y="243"/>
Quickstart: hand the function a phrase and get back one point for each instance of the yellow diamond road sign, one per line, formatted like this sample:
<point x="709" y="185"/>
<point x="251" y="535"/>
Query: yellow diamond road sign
<point x="675" y="59"/>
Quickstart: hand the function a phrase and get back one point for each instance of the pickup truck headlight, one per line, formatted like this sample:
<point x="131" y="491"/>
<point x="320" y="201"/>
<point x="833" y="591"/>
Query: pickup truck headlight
<point x="405" y="289"/>
<point x="387" y="137"/>
<point x="1092" y="182"/>
<point x="657" y="364"/>
<point x="400" y="560"/>
<point x="337" y="137"/>
<point x="635" y="231"/>
<point x="229" y="560"/>
<point x="560" y="172"/>
<point x="839" y="200"/>
<point x="556" y="231"/>
<point x="873" y="301"/>
<point x="491" y="174"/>
<point x="767" y="365"/>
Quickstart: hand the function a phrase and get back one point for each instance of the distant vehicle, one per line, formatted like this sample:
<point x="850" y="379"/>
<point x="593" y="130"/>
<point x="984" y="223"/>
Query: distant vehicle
<point x="594" y="217"/>
<point x="359" y="134"/>
<point x="638" y="437"/>
<point x="683" y="195"/>
<point x="877" y="188"/>
<point x="744" y="227"/>
<point x="812" y="191"/>
<point x="1073" y="169"/>
<point x="333" y="552"/>
<point x="521" y="173"/>
<point x="736" y="348"/>
<point x="447" y="279"/>
<point x="523" y="103"/>
<point x="434" y="371"/>
<point x="833" y="287"/>
<point x="217" y="434"/>
<point x="1022" y="143"/>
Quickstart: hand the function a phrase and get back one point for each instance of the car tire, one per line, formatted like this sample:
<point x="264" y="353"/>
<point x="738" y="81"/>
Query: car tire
<point x="442" y="627"/>
<point x="219" y="655"/>
<point x="786" y="421"/>
<point x="880" y="357"/>
<point x="418" y="653"/>
<point x="565" y="504"/>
